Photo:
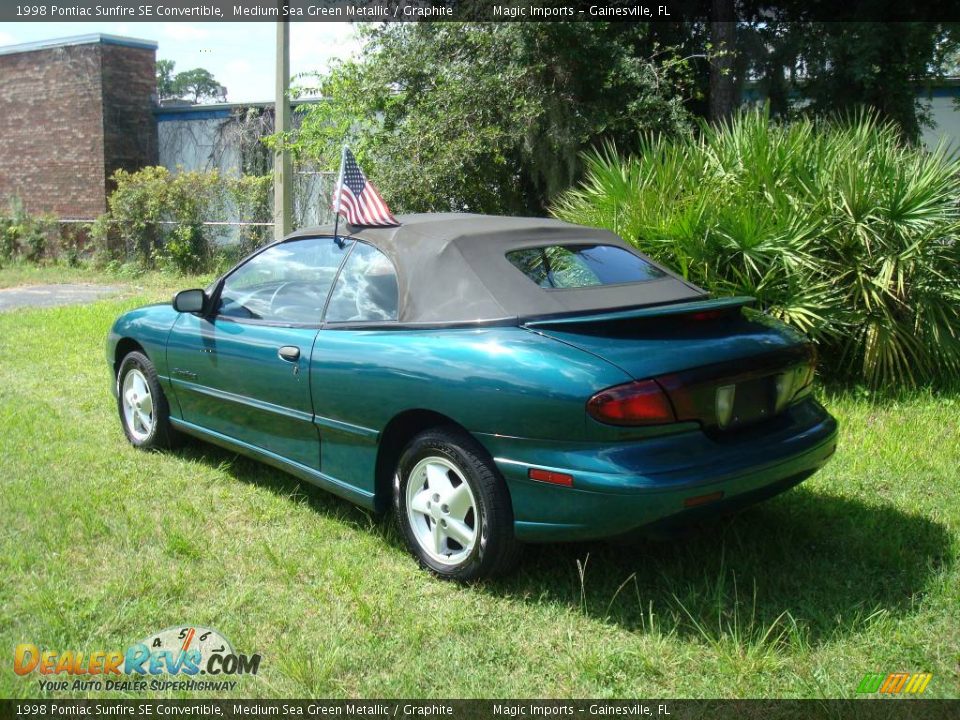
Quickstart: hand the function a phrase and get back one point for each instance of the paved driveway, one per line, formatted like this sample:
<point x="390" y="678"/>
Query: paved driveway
<point x="50" y="295"/>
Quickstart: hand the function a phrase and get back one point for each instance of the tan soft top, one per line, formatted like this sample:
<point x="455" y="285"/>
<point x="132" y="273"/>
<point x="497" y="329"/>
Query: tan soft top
<point x="452" y="268"/>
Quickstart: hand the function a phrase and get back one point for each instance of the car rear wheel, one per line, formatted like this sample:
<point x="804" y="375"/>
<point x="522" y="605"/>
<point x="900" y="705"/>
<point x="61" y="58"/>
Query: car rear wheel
<point x="144" y="411"/>
<point x="453" y="507"/>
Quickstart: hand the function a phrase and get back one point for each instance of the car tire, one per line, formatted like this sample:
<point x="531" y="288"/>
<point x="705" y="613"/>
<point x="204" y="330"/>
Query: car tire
<point x="453" y="507"/>
<point x="143" y="407"/>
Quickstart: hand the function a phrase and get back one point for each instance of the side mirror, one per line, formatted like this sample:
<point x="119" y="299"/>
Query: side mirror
<point x="190" y="301"/>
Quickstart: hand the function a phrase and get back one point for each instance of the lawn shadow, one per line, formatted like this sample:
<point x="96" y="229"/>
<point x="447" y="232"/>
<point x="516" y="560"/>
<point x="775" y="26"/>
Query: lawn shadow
<point x="823" y="562"/>
<point x="254" y="472"/>
<point x="806" y="561"/>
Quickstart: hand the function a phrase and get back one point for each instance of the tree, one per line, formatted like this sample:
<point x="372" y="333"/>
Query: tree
<point x="196" y="85"/>
<point x="200" y="84"/>
<point x="491" y="117"/>
<point x="723" y="98"/>
<point x="810" y="68"/>
<point x="872" y="64"/>
<point x="165" y="83"/>
<point x="495" y="117"/>
<point x="806" y="67"/>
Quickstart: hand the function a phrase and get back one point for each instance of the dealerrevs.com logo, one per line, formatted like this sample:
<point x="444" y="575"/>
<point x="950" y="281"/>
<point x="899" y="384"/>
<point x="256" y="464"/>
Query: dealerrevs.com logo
<point x="172" y="659"/>
<point x="895" y="683"/>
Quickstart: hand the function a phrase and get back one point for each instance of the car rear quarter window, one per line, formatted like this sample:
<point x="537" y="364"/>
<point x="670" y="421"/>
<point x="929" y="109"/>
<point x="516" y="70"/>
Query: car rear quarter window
<point x="578" y="266"/>
<point x="366" y="290"/>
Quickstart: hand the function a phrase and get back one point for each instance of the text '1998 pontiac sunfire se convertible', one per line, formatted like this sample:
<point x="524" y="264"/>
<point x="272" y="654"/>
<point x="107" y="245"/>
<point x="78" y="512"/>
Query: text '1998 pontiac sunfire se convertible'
<point x="496" y="381"/>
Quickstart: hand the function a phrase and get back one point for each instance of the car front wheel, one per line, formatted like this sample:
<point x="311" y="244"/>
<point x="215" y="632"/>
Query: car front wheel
<point x="453" y="507"/>
<point x="143" y="408"/>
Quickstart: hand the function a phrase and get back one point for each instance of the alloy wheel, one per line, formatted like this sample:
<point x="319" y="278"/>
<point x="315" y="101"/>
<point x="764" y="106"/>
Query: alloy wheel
<point x="442" y="510"/>
<point x="137" y="405"/>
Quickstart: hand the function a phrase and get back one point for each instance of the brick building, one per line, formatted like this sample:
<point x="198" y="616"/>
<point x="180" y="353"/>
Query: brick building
<point x="72" y="111"/>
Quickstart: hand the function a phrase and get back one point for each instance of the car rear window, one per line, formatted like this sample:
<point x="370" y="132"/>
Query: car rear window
<point x="578" y="266"/>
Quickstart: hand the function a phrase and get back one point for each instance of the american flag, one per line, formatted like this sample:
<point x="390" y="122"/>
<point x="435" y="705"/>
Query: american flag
<point x="357" y="199"/>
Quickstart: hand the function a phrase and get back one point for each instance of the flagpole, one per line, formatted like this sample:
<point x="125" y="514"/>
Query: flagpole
<point x="336" y="190"/>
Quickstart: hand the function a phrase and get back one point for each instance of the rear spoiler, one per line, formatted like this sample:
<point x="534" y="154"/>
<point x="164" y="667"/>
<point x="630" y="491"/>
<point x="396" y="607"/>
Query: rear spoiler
<point x="681" y="308"/>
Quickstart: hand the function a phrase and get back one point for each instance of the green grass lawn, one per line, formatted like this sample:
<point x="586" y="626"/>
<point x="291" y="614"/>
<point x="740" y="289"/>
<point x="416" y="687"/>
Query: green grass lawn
<point x="132" y="278"/>
<point x="855" y="571"/>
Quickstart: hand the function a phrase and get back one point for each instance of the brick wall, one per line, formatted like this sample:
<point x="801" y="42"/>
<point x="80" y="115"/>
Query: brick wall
<point x="69" y="116"/>
<point x="129" y="89"/>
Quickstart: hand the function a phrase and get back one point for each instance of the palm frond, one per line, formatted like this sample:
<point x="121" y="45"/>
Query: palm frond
<point x="835" y="226"/>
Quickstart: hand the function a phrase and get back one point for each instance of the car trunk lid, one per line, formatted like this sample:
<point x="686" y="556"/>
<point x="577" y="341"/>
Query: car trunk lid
<point x="717" y="366"/>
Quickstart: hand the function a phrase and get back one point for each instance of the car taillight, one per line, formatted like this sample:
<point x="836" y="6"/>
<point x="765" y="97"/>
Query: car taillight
<point x="794" y="383"/>
<point x="635" y="403"/>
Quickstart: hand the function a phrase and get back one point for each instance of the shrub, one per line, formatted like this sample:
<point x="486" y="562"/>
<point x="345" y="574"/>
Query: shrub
<point x="185" y="249"/>
<point x="72" y="242"/>
<point x="252" y="197"/>
<point x="108" y="247"/>
<point x="157" y="218"/>
<point x="9" y="239"/>
<point x="39" y="235"/>
<point x="836" y="227"/>
<point x="27" y="237"/>
<point x="137" y="207"/>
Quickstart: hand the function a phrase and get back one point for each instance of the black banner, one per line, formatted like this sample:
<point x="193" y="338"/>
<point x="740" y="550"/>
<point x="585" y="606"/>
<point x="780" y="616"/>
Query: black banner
<point x="470" y="10"/>
<point x="864" y="709"/>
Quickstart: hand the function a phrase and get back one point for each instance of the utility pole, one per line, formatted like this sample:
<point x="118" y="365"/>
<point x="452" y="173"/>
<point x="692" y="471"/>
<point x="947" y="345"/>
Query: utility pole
<point x="282" y="165"/>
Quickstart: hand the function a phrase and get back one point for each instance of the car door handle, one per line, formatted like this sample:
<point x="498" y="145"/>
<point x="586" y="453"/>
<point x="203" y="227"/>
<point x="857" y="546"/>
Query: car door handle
<point x="290" y="353"/>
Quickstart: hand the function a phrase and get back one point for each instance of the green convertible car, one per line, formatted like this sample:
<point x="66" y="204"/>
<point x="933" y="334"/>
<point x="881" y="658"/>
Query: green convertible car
<point x="494" y="380"/>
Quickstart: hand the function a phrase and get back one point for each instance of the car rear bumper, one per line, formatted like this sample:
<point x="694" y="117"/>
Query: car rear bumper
<point x="619" y="489"/>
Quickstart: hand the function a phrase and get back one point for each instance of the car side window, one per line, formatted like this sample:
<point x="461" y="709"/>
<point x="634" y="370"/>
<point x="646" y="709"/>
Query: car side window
<point x="286" y="283"/>
<point x="366" y="290"/>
